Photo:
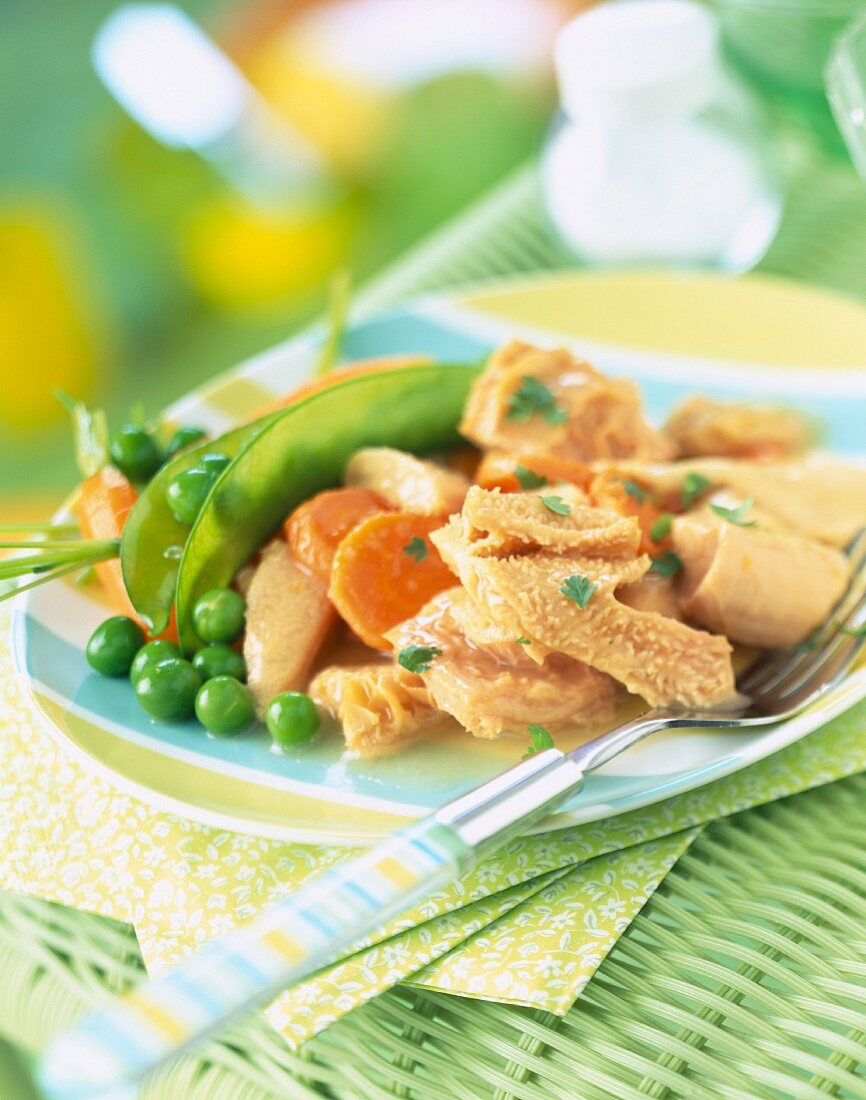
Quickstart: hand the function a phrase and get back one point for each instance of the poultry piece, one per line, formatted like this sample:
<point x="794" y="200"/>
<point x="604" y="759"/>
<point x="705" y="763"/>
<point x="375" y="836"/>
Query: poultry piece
<point x="406" y="482"/>
<point x="653" y="592"/>
<point x="495" y="687"/>
<point x="566" y="603"/>
<point x="381" y="708"/>
<point x="700" y="426"/>
<point x="529" y="400"/>
<point x="818" y="498"/>
<point x="288" y="616"/>
<point x="758" y="586"/>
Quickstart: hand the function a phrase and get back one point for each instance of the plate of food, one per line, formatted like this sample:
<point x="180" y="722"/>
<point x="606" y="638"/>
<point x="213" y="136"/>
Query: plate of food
<point x="514" y="514"/>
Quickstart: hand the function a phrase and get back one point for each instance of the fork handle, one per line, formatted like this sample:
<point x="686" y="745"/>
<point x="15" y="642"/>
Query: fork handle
<point x="118" y="1044"/>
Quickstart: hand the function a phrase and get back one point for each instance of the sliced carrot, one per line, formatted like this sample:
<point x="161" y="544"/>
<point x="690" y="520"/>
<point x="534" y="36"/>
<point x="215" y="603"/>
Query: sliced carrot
<point x="354" y="370"/>
<point x="317" y="527"/>
<point x="382" y="576"/>
<point x="499" y="471"/>
<point x="105" y="500"/>
<point x="614" y="491"/>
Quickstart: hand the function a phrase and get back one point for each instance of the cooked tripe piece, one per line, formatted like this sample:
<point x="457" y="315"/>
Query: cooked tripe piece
<point x="495" y="687"/>
<point x="528" y="593"/>
<point x="288" y="616"/>
<point x="818" y="498"/>
<point x="381" y="708"/>
<point x="759" y="587"/>
<point x="406" y="482"/>
<point x="529" y="400"/>
<point x="700" y="426"/>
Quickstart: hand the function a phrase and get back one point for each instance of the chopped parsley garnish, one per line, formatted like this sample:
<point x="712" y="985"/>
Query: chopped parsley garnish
<point x="662" y="527"/>
<point x="694" y="485"/>
<point x="737" y="515"/>
<point x="637" y="492"/>
<point x="541" y="740"/>
<point x="578" y="588"/>
<point x="532" y="397"/>
<point x="417" y="658"/>
<point x="557" y="505"/>
<point x="529" y="479"/>
<point x="853" y="631"/>
<point x="416" y="548"/>
<point x="667" y="564"/>
<point x="523" y="641"/>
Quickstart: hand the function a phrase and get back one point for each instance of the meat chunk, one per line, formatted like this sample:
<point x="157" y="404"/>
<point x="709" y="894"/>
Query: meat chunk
<point x="760" y="587"/>
<point x="665" y="661"/>
<point x="514" y="522"/>
<point x="407" y="482"/>
<point x="381" y="708"/>
<point x="495" y="687"/>
<point x="700" y="426"/>
<point x="652" y="592"/>
<point x="288" y="616"/>
<point x="818" y="498"/>
<point x="535" y="401"/>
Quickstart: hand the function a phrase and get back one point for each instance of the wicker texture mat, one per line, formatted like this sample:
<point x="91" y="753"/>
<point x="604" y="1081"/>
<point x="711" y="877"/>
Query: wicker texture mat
<point x="746" y="974"/>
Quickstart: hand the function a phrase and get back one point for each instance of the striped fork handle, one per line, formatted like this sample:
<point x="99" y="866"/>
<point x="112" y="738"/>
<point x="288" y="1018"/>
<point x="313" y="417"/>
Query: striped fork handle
<point x="117" y="1045"/>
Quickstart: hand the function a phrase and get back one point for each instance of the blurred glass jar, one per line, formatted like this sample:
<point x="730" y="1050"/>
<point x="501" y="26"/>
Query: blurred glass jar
<point x="660" y="155"/>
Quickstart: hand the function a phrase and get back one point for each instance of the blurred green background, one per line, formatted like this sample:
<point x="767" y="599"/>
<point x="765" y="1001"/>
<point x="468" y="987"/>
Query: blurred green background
<point x="130" y="271"/>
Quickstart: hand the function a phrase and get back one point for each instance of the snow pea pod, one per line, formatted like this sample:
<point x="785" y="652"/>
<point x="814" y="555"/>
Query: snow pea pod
<point x="153" y="539"/>
<point x="304" y="450"/>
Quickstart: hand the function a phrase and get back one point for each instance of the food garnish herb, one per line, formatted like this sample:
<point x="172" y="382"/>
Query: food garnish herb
<point x="523" y="641"/>
<point x="418" y="658"/>
<point x="578" y="588"/>
<point x="637" y="492"/>
<point x="694" y="485"/>
<point x="853" y="631"/>
<point x="529" y="479"/>
<point x="416" y="548"/>
<point x="541" y="740"/>
<point x="532" y="397"/>
<point x="662" y="527"/>
<point x="667" y="564"/>
<point x="737" y="515"/>
<point x="557" y="505"/>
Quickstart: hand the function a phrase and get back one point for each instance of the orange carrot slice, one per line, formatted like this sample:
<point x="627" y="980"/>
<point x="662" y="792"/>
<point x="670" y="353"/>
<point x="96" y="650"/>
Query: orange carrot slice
<point x="105" y="499"/>
<point x="385" y="571"/>
<point x="500" y="471"/>
<point x="317" y="527"/>
<point x="614" y="491"/>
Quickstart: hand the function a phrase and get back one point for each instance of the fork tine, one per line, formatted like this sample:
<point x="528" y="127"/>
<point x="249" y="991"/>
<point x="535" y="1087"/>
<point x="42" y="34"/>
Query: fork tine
<point x="769" y="672"/>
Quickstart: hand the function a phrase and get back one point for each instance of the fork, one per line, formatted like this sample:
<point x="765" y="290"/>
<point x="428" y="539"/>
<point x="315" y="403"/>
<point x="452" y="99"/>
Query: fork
<point x="115" y="1046"/>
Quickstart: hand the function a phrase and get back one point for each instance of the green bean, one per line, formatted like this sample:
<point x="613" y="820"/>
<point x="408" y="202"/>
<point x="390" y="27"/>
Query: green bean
<point x="305" y="449"/>
<point x="152" y="533"/>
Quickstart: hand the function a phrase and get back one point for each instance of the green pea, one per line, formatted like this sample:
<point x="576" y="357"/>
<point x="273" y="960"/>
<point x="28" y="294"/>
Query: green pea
<point x="218" y="615"/>
<point x="187" y="492"/>
<point x="113" y="646"/>
<point x="134" y="452"/>
<point x="224" y="705"/>
<point x="291" y="718"/>
<point x="182" y="438"/>
<point x="214" y="463"/>
<point x="220" y="660"/>
<point x="167" y="690"/>
<point x="151" y="654"/>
